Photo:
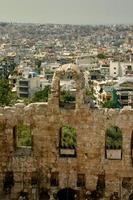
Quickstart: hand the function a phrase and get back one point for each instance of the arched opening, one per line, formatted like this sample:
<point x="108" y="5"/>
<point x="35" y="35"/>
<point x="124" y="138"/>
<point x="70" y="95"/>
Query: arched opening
<point x="23" y="196"/>
<point x="43" y="195"/>
<point x="66" y="194"/>
<point x="131" y="197"/>
<point x="8" y="182"/>
<point x="54" y="179"/>
<point x="67" y="96"/>
<point x="68" y="78"/>
<point x="113" y="143"/>
<point x="80" y="180"/>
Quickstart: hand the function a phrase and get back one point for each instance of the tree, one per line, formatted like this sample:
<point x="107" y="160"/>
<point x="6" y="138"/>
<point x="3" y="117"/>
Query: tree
<point x="6" y="95"/>
<point x="101" y="56"/>
<point x="90" y="93"/>
<point x="66" y="96"/>
<point x="113" y="103"/>
<point x="38" y="63"/>
<point x="41" y="96"/>
<point x="109" y="104"/>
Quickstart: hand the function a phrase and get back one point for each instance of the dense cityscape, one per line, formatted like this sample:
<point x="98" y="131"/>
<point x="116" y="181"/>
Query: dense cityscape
<point x="32" y="52"/>
<point x="66" y="103"/>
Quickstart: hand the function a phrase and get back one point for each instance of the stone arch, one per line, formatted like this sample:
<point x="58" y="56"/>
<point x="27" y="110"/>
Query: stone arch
<point x="66" y="194"/>
<point x="77" y="76"/>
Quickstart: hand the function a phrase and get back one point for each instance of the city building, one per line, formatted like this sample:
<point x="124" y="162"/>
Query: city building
<point x="26" y="87"/>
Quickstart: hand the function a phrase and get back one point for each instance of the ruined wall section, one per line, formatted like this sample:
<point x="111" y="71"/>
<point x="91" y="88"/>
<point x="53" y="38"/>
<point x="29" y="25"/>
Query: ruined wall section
<point x="90" y="125"/>
<point x="117" y="170"/>
<point x="46" y="120"/>
<point x="10" y="159"/>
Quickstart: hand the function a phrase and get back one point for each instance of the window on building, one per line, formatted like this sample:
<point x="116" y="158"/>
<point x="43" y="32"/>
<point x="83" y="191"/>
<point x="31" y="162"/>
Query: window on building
<point x="23" y="95"/>
<point x="23" y="89"/>
<point x="54" y="180"/>
<point x="129" y="67"/>
<point x="23" y="83"/>
<point x="124" y="97"/>
<point x="67" y="141"/>
<point x="22" y="137"/>
<point x="113" y="143"/>
<point x="80" y="180"/>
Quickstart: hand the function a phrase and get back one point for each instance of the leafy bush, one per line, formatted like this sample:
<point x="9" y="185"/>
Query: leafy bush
<point x="68" y="137"/>
<point x="113" y="138"/>
<point x="101" y="56"/>
<point x="41" y="96"/>
<point x="66" y="96"/>
<point x="111" y="104"/>
<point x="6" y="96"/>
<point x="24" y="135"/>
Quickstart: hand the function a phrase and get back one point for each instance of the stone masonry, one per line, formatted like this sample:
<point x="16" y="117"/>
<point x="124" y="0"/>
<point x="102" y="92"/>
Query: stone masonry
<point x="105" y="179"/>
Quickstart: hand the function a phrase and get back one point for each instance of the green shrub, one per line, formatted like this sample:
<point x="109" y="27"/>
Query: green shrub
<point x="113" y="138"/>
<point x="41" y="96"/>
<point x="24" y="135"/>
<point x="66" y="96"/>
<point x="68" y="137"/>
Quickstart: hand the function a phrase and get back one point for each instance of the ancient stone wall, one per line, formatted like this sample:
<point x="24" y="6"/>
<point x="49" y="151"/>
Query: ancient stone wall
<point x="104" y="178"/>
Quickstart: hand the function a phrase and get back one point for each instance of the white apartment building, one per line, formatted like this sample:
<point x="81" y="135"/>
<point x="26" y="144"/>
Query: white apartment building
<point x="26" y="87"/>
<point x="118" y="69"/>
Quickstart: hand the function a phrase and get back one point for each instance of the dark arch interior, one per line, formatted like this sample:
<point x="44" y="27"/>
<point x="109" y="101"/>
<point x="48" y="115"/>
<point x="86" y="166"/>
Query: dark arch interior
<point x="23" y="195"/>
<point x="66" y="194"/>
<point x="131" y="197"/>
<point x="44" y="195"/>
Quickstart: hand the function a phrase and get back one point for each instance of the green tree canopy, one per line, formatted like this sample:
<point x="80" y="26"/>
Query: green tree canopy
<point x="41" y="96"/>
<point x="113" y="103"/>
<point x="6" y="96"/>
<point x="101" y="56"/>
<point x="66" y="96"/>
